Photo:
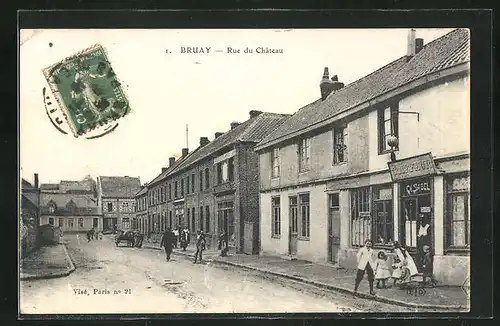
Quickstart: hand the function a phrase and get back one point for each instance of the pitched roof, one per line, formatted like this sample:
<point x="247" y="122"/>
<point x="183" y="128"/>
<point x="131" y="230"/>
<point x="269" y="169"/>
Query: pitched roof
<point x="26" y="184"/>
<point x="444" y="52"/>
<point x="122" y="187"/>
<point x="83" y="185"/>
<point x="142" y="191"/>
<point x="62" y="199"/>
<point x="170" y="169"/>
<point x="252" y="130"/>
<point x="49" y="186"/>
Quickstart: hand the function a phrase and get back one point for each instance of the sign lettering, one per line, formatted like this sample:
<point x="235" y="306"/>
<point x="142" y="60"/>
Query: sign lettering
<point x="417" y="188"/>
<point x="418" y="166"/>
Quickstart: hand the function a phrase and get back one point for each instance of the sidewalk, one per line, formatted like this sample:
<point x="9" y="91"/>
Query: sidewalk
<point x="338" y="279"/>
<point x="47" y="262"/>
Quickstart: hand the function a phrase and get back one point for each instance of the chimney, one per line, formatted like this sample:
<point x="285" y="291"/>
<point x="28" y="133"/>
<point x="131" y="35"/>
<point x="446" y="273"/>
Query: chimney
<point x="185" y="152"/>
<point x="171" y="161"/>
<point x="411" y="43"/>
<point x="36" y="180"/>
<point x="163" y="170"/>
<point x="419" y="45"/>
<point x="254" y="113"/>
<point x="218" y="134"/>
<point x="328" y="86"/>
<point x="204" y="141"/>
<point x="234" y="124"/>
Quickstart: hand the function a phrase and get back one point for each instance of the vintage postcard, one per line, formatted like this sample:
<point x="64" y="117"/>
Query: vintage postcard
<point x="244" y="171"/>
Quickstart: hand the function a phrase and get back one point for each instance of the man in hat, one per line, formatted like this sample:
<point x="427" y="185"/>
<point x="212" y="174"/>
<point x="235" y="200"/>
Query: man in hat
<point x="167" y="242"/>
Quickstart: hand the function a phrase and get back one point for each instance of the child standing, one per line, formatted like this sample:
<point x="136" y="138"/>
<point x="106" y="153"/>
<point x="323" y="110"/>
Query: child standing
<point x="427" y="265"/>
<point x="382" y="273"/>
<point x="396" y="266"/>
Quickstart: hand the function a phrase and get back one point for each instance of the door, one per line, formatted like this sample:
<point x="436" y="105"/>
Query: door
<point x="95" y="223"/>
<point x="333" y="228"/>
<point x="293" y="234"/>
<point x="409" y="225"/>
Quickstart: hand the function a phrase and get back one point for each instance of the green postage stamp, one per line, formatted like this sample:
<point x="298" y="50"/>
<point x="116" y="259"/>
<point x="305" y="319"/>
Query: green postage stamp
<point x="87" y="90"/>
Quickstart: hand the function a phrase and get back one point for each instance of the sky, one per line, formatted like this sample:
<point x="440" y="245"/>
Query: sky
<point x="168" y="90"/>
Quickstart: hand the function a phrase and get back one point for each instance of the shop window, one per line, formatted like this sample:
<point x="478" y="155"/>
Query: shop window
<point x="339" y="145"/>
<point x="60" y="222"/>
<point x="80" y="222"/>
<point x="457" y="235"/>
<point x="275" y="162"/>
<point x="70" y="223"/>
<point x="305" y="210"/>
<point x="360" y="216"/>
<point x="387" y="126"/>
<point x="304" y="154"/>
<point x="383" y="223"/>
<point x="276" y="217"/>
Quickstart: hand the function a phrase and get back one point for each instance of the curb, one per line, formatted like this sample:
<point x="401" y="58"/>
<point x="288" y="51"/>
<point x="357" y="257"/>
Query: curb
<point x="68" y="271"/>
<point x="343" y="290"/>
<point x="326" y="286"/>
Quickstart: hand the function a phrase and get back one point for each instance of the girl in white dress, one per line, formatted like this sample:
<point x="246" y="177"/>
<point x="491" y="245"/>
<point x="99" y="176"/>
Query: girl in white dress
<point x="382" y="273"/>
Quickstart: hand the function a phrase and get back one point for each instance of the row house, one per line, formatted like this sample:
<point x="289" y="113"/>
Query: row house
<point x="70" y="205"/>
<point x="141" y="210"/>
<point x="382" y="158"/>
<point x="116" y="197"/>
<point x="30" y="212"/>
<point x="215" y="188"/>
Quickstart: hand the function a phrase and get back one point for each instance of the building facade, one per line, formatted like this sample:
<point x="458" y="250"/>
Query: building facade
<point x="383" y="158"/>
<point x="215" y="187"/>
<point x="117" y="202"/>
<point x="30" y="213"/>
<point x="70" y="205"/>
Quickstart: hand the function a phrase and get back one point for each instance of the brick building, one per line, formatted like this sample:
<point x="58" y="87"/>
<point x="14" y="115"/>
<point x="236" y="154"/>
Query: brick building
<point x="30" y="212"/>
<point x="215" y="187"/>
<point x="375" y="159"/>
<point x="117" y="201"/>
<point x="70" y="205"/>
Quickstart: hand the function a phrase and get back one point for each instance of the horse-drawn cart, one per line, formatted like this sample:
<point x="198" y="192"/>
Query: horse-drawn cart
<point x="127" y="236"/>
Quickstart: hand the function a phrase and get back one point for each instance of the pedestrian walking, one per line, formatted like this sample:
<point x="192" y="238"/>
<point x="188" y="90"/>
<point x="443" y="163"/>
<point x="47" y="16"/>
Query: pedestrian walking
<point x="382" y="273"/>
<point x="185" y="238"/>
<point x="200" y="246"/>
<point x="365" y="264"/>
<point x="140" y="238"/>
<point x="89" y="235"/>
<point x="167" y="241"/>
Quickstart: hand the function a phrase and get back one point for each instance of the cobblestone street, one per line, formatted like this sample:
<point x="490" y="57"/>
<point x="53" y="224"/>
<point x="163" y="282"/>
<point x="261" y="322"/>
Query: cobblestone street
<point x="130" y="280"/>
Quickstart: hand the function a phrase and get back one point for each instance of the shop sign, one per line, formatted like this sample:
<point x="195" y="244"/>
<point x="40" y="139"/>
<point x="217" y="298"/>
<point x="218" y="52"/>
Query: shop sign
<point x="417" y="188"/>
<point x="417" y="166"/>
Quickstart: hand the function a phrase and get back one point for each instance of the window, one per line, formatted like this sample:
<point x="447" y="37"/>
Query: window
<point x="193" y="220"/>
<point x="60" y="222"/>
<point x="207" y="178"/>
<point x="126" y="223"/>
<point x="52" y="209"/>
<point x="339" y="145"/>
<point x="110" y="207"/>
<point x="170" y="220"/>
<point x="188" y="187"/>
<point x="304" y="154"/>
<point x="201" y="218"/>
<point x="219" y="173"/>
<point x="188" y="216"/>
<point x="182" y="187"/>
<point x="276" y="217"/>
<point x="382" y="228"/>
<point x="51" y="221"/>
<point x="162" y="194"/>
<point x="80" y="222"/>
<point x="70" y="223"/>
<point x="175" y="189"/>
<point x="207" y="219"/>
<point x="294" y="227"/>
<point x="192" y="182"/>
<point x="169" y="191"/>
<point x="230" y="169"/>
<point x="387" y="126"/>
<point x="275" y="162"/>
<point x="360" y="216"/>
<point x="458" y="208"/>
<point x="304" y="215"/>
<point x="201" y="180"/>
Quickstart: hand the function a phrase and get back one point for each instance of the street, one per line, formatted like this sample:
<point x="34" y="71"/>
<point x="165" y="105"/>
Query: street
<point x="131" y="280"/>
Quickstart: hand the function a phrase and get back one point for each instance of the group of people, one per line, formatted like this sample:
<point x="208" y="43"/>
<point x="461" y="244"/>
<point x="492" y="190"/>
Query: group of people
<point x="403" y="266"/>
<point x="93" y="234"/>
<point x="169" y="241"/>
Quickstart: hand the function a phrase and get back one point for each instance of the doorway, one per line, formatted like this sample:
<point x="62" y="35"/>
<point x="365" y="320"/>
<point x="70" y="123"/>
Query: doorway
<point x="294" y="229"/>
<point x="95" y="223"/>
<point x="333" y="228"/>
